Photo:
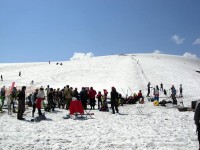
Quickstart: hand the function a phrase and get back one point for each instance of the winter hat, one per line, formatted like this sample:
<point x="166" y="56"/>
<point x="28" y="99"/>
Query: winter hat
<point x="74" y="98"/>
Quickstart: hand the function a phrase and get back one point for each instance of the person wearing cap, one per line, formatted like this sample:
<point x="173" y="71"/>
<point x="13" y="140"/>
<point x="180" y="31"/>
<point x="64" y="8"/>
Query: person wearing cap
<point x="21" y="103"/>
<point x="114" y="98"/>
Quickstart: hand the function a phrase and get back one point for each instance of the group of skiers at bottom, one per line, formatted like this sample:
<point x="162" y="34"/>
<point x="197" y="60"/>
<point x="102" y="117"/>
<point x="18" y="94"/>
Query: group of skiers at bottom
<point x="156" y="92"/>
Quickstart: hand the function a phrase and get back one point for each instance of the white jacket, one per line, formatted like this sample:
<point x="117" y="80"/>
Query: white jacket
<point x="40" y="94"/>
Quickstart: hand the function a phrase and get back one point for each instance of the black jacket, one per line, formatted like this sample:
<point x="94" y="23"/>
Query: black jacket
<point x="197" y="114"/>
<point x="21" y="96"/>
<point x="114" y="95"/>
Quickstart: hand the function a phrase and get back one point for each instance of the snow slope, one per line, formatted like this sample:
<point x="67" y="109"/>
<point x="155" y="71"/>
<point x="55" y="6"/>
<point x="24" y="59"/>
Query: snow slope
<point x="163" y="128"/>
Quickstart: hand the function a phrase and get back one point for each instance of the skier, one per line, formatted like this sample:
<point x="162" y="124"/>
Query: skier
<point x="1" y="78"/>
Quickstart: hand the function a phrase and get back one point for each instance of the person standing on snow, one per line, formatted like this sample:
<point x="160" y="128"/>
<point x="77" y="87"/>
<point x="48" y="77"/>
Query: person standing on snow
<point x="40" y="97"/>
<point x="173" y="90"/>
<point x="33" y="100"/>
<point x="1" y="78"/>
<point x="84" y="97"/>
<point x="21" y="103"/>
<point x="156" y="93"/>
<point x="99" y="97"/>
<point x="20" y="73"/>
<point x="114" y="99"/>
<point x="92" y="94"/>
<point x="68" y="96"/>
<point x="2" y="94"/>
<point x="161" y="87"/>
<point x="197" y="120"/>
<point x="148" y="89"/>
<point x="181" y="91"/>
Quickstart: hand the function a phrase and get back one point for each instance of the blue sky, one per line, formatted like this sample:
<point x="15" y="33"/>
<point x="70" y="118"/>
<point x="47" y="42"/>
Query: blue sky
<point x="43" y="30"/>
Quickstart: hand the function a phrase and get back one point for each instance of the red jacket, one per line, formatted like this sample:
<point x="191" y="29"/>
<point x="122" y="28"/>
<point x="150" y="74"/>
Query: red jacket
<point x="39" y="103"/>
<point x="92" y="93"/>
<point x="139" y="94"/>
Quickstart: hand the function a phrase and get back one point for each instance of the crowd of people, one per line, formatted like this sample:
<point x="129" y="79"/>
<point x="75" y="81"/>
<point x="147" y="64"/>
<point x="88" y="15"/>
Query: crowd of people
<point x="62" y="98"/>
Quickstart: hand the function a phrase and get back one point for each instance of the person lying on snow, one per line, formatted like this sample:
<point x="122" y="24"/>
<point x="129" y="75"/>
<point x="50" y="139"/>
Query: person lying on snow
<point x="135" y="98"/>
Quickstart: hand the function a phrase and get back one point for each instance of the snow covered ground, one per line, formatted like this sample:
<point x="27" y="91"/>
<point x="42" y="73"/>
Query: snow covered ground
<point x="157" y="127"/>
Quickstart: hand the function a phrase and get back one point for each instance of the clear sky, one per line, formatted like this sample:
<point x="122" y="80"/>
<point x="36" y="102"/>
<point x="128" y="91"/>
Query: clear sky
<point x="43" y="30"/>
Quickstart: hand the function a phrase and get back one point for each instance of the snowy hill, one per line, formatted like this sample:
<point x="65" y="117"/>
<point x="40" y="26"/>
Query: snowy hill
<point x="128" y="73"/>
<point x="157" y="127"/>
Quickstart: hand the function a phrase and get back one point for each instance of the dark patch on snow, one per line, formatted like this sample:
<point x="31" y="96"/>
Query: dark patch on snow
<point x="198" y="71"/>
